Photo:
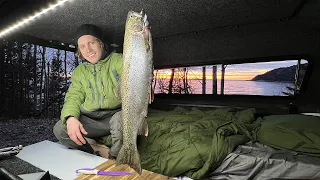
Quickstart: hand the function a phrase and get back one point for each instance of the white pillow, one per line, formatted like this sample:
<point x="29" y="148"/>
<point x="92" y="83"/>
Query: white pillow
<point x="312" y="114"/>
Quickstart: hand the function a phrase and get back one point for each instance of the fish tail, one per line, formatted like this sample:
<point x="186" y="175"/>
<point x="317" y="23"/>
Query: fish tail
<point x="131" y="157"/>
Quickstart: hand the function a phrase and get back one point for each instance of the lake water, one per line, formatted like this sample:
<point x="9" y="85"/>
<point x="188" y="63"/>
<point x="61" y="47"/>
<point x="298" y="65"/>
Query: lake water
<point x="242" y="87"/>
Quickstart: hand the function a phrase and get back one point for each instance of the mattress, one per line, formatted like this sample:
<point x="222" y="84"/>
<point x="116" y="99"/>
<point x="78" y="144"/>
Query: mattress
<point x="256" y="161"/>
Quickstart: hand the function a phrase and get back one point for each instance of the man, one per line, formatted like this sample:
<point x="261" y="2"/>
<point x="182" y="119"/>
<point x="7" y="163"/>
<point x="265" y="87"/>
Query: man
<point x="92" y="103"/>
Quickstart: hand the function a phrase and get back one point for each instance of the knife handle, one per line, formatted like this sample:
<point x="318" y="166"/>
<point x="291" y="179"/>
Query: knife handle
<point x="83" y="171"/>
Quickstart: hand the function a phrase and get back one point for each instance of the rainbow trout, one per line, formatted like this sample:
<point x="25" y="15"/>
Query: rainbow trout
<point x="136" y="80"/>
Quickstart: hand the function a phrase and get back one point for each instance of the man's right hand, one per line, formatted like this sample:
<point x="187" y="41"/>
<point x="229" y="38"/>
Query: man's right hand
<point x="75" y="131"/>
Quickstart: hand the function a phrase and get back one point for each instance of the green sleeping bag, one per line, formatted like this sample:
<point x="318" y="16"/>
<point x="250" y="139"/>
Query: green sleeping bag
<point x="297" y="132"/>
<point x="192" y="142"/>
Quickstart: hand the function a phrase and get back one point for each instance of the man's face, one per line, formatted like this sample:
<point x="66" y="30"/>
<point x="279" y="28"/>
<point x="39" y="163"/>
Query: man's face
<point x="90" y="48"/>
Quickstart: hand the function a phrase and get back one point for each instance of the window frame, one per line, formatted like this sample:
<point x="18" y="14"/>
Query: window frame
<point x="303" y="86"/>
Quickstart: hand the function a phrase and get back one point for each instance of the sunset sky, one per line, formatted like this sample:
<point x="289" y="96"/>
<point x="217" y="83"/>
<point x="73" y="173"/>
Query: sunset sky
<point x="234" y="72"/>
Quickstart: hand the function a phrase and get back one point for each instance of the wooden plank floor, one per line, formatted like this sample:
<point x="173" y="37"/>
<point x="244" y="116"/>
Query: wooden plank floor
<point x="111" y="166"/>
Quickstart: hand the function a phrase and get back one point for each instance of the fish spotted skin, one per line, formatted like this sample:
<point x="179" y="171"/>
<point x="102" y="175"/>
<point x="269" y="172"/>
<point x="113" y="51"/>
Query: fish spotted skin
<point x="137" y="74"/>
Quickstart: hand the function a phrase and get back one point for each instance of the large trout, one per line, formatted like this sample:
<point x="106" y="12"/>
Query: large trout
<point x="137" y="74"/>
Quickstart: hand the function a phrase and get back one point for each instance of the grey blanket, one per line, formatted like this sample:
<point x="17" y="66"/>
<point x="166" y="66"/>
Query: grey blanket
<point x="259" y="162"/>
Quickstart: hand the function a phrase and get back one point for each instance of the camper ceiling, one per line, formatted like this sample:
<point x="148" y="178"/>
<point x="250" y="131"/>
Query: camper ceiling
<point x="167" y="18"/>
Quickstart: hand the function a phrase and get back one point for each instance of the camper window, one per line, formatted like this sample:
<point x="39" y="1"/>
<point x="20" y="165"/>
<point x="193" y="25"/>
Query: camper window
<point x="275" y="78"/>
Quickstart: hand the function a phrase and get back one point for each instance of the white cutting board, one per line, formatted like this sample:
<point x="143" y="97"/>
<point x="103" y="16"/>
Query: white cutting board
<point x="58" y="159"/>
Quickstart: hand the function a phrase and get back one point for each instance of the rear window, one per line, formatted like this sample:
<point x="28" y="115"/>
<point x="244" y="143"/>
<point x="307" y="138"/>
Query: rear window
<point x="276" y="78"/>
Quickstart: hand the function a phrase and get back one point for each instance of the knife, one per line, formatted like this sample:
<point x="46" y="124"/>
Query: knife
<point x="100" y="172"/>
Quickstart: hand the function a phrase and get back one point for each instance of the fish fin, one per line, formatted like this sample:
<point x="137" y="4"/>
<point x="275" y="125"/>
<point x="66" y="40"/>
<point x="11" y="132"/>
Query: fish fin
<point x="146" y="38"/>
<point x="144" y="129"/>
<point x="151" y="94"/>
<point x="131" y="157"/>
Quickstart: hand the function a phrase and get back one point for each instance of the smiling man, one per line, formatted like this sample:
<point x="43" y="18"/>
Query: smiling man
<point x="92" y="105"/>
<point x="90" y="47"/>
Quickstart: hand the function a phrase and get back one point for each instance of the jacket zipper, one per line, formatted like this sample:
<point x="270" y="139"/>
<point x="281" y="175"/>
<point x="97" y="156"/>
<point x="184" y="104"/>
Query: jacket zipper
<point x="103" y="95"/>
<point x="95" y="81"/>
<point x="92" y="90"/>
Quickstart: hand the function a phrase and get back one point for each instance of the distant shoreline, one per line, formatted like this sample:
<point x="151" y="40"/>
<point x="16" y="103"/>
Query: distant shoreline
<point x="272" y="81"/>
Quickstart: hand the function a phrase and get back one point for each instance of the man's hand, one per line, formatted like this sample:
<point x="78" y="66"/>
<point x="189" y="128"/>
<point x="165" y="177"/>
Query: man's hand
<point x="75" y="128"/>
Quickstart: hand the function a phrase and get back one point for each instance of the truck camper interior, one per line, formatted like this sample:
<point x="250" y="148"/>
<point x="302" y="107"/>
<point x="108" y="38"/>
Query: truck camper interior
<point x="235" y="87"/>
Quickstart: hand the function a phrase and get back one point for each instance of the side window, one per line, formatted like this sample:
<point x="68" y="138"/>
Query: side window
<point x="276" y="78"/>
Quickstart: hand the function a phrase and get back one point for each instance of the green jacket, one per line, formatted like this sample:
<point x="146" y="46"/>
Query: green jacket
<point x="93" y="87"/>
